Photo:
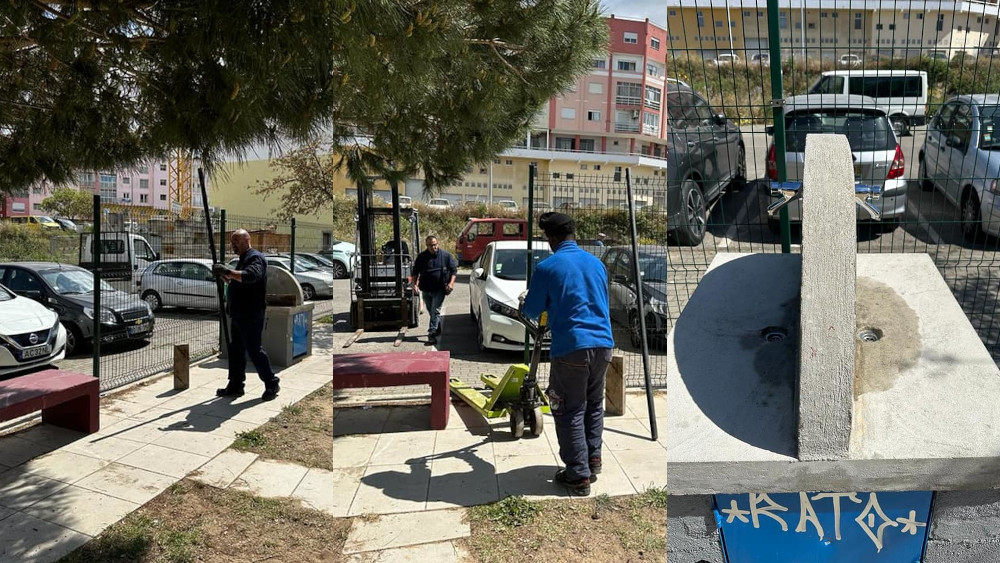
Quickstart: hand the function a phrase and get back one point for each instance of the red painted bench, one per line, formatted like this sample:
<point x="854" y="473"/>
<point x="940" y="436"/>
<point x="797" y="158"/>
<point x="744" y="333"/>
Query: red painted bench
<point x="353" y="371"/>
<point x="66" y="399"/>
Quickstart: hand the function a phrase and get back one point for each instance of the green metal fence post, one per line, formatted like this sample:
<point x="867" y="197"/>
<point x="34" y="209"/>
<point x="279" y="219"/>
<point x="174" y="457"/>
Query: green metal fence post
<point x="778" y="108"/>
<point x="531" y="258"/>
<point x="96" y="248"/>
<point x="292" y="253"/>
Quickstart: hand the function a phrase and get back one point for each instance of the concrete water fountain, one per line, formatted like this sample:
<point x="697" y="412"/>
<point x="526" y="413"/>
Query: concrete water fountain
<point x="830" y="406"/>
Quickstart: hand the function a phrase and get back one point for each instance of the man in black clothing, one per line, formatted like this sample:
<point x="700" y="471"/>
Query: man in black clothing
<point x="246" y="297"/>
<point x="433" y="275"/>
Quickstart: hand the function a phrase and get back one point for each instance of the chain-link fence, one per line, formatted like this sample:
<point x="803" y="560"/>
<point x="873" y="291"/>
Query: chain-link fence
<point x="914" y="93"/>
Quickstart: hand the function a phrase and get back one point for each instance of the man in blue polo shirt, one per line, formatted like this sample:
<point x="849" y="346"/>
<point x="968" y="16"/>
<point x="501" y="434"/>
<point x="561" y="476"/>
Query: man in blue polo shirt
<point x="572" y="286"/>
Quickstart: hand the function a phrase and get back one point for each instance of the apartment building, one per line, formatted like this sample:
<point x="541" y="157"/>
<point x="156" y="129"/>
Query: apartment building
<point x="827" y="29"/>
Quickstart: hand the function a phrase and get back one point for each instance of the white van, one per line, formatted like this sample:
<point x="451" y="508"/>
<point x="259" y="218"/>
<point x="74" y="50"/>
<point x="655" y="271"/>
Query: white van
<point x="121" y="253"/>
<point x="902" y="93"/>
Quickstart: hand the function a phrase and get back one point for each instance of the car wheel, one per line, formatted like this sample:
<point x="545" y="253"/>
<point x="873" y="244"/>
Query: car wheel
<point x="74" y="340"/>
<point x="925" y="182"/>
<point x="634" y="331"/>
<point x="900" y="124"/>
<point x="308" y="293"/>
<point x="339" y="270"/>
<point x="971" y="220"/>
<point x="153" y="300"/>
<point x="694" y="220"/>
<point x="480" y="337"/>
<point x="740" y="180"/>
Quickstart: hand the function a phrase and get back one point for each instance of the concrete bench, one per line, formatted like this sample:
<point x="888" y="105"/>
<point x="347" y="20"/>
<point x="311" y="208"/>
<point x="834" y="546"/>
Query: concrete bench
<point x="67" y="399"/>
<point x="353" y="371"/>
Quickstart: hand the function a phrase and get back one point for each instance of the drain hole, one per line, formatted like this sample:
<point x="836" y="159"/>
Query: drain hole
<point x="870" y="335"/>
<point x="774" y="334"/>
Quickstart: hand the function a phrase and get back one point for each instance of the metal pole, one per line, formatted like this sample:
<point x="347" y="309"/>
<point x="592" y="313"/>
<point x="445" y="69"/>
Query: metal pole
<point x="803" y="28"/>
<point x="222" y="260"/>
<point x="219" y="287"/>
<point x="97" y="247"/>
<point x="491" y="182"/>
<point x="292" y="253"/>
<point x="396" y="240"/>
<point x="531" y="261"/>
<point x="729" y="23"/>
<point x="778" y="108"/>
<point x="642" y="304"/>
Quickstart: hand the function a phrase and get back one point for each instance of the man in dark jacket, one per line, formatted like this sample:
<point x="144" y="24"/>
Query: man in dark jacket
<point x="433" y="275"/>
<point x="247" y="290"/>
<point x="572" y="286"/>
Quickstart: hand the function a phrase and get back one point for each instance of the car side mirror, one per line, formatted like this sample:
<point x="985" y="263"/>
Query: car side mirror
<point x="33" y="294"/>
<point x="470" y="237"/>
<point x="769" y="130"/>
<point x="721" y="119"/>
<point x="479" y="273"/>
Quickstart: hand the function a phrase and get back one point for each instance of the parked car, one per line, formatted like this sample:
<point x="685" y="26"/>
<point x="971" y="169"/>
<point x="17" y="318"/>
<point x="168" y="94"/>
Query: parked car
<point x="179" y="282"/>
<point x="498" y="277"/>
<point x="30" y="334"/>
<point x="508" y="204"/>
<point x="43" y="222"/>
<point x="961" y="158"/>
<point x="622" y="294"/>
<point x="726" y="59"/>
<point x="121" y="252"/>
<point x="902" y="93"/>
<point x="707" y="156"/>
<point x="941" y="56"/>
<point x="66" y="224"/>
<point x="762" y="59"/>
<point x="320" y="262"/>
<point x="479" y="232"/>
<point x="849" y="60"/>
<point x="439" y="203"/>
<point x="314" y="282"/>
<point x="69" y="291"/>
<point x="878" y="157"/>
<point x="344" y="256"/>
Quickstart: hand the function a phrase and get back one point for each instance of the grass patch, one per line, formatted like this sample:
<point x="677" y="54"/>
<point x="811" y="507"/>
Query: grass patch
<point x="325" y="319"/>
<point x="510" y="512"/>
<point x="302" y="433"/>
<point x="250" y="439"/>
<point x="195" y="522"/>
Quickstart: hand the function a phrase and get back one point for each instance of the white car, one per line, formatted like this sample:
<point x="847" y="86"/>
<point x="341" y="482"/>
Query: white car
<point x="508" y="204"/>
<point x="314" y="282"/>
<point x="344" y="256"/>
<point x="30" y="334"/>
<point x="439" y="203"/>
<point x="498" y="277"/>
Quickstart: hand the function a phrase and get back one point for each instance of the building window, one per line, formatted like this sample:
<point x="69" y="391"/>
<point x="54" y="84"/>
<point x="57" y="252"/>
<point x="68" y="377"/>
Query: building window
<point x="163" y="167"/>
<point x="600" y="63"/>
<point x="979" y="20"/>
<point x="567" y="113"/>
<point x="143" y="198"/>
<point x="108" y="187"/>
<point x="629" y="93"/>
<point x="36" y="206"/>
<point x="628" y="66"/>
<point x="595" y="88"/>
<point x="163" y="197"/>
<point x="587" y="145"/>
<point x="892" y="26"/>
<point x="920" y="16"/>
<point x="570" y="176"/>
<point x="37" y="190"/>
<point x="718" y="23"/>
<point x="163" y="182"/>
<point x="940" y="22"/>
<point x="654" y="43"/>
<point x="783" y="20"/>
<point x="86" y="178"/>
<point x="654" y="70"/>
<point x="959" y="28"/>
<point x="653" y="97"/>
<point x="812" y="25"/>
<point x="593" y="116"/>
<point x="834" y="15"/>
<point x="565" y="143"/>
<point x="597" y="167"/>
<point x="673" y="12"/>
<point x="631" y="38"/>
<point x="650" y="123"/>
<point x="556" y="175"/>
<point x="858" y="21"/>
<point x="878" y="26"/>
<point x="822" y="14"/>
<point x="746" y="13"/>
<point x="143" y="184"/>
<point x="798" y="25"/>
<point x="701" y="19"/>
<point x="508" y="162"/>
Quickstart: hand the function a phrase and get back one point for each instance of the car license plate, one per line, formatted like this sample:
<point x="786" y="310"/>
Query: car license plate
<point x="36" y="352"/>
<point x="138" y="329"/>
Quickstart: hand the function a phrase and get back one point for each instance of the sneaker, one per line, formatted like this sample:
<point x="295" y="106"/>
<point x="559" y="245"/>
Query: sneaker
<point x="595" y="465"/>
<point x="270" y="393"/>
<point x="580" y="487"/>
<point x="228" y="391"/>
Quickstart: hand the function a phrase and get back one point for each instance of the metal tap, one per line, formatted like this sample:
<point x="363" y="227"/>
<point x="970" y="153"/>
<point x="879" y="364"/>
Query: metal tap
<point x="865" y="196"/>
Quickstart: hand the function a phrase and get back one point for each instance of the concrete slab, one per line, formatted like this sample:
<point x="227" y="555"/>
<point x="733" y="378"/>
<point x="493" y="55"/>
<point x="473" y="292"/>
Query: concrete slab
<point x="25" y="538"/>
<point x="464" y="441"/>
<point x="461" y="481"/>
<point x="206" y="444"/>
<point x="628" y="434"/>
<point x="360" y="421"/>
<point x="5" y="512"/>
<point x="166" y="461"/>
<point x="82" y="510"/>
<point x="18" y="450"/>
<point x="329" y="491"/>
<point x="643" y="469"/>
<point x="407" y="419"/>
<point x="49" y="436"/>
<point x="613" y="481"/>
<point x="64" y="466"/>
<point x="528" y="475"/>
<point x="401" y="530"/>
<point x="108" y="448"/>
<point x="401" y="447"/>
<point x="504" y="445"/>
<point x="121" y="408"/>
<point x="388" y="489"/>
<point x="270" y="478"/>
<point x="353" y="450"/>
<point x="127" y="483"/>
<point x="19" y="490"/>
<point x="222" y="470"/>
<point x="443" y="552"/>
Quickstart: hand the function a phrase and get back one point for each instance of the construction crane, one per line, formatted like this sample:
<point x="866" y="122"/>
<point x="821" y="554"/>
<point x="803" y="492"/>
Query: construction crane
<point x="179" y="180"/>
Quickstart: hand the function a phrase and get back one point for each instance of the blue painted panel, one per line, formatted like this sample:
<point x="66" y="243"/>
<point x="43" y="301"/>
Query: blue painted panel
<point x="300" y="334"/>
<point x="887" y="527"/>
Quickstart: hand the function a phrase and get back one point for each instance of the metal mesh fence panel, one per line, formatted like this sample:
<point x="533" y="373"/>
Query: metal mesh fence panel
<point x="914" y="92"/>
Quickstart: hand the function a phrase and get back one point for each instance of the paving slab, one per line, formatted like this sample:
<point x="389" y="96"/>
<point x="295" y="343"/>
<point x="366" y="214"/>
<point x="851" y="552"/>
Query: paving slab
<point x="209" y="445"/>
<point x="401" y="530"/>
<point x="360" y="421"/>
<point x="329" y="491"/>
<point x="400" y="448"/>
<point x="5" y="512"/>
<point x="466" y="481"/>
<point x="645" y="468"/>
<point x="223" y="469"/>
<point x="612" y="481"/>
<point x="166" y="461"/>
<point x="108" y="448"/>
<point x="64" y="466"/>
<point x="25" y="538"/>
<point x="52" y="437"/>
<point x="127" y="483"/>
<point x="387" y="489"/>
<point x="82" y="510"/>
<point x="528" y="475"/>
<point x="505" y="445"/>
<point x="17" y="450"/>
<point x="19" y="489"/>
<point x="270" y="478"/>
<point x="442" y="552"/>
<point x="628" y="434"/>
<point x="353" y="451"/>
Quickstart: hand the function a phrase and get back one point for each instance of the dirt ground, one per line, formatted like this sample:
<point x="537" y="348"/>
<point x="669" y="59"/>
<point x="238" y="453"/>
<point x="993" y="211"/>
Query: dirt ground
<point x="302" y="433"/>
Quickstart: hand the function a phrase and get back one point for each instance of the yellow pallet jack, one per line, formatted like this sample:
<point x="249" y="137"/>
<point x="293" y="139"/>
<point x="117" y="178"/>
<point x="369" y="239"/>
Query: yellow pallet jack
<point x="517" y="393"/>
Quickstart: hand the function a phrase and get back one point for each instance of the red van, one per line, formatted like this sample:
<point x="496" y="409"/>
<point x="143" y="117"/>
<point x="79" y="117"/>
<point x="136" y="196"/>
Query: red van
<point x="480" y="232"/>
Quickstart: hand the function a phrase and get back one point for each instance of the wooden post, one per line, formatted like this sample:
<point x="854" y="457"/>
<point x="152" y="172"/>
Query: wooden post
<point x="614" y="387"/>
<point x="182" y="364"/>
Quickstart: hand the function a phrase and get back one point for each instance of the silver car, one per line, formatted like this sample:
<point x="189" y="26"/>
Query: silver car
<point x="961" y="157"/>
<point x="878" y="158"/>
<point x="314" y="282"/>
<point x="181" y="282"/>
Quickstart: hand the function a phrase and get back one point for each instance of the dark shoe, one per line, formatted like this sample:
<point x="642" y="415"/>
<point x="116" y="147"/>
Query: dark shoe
<point x="228" y="391"/>
<point x="270" y="393"/>
<point x="595" y="465"/>
<point x="432" y="339"/>
<point x="580" y="487"/>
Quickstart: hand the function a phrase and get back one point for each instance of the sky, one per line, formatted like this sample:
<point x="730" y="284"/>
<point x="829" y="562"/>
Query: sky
<point x="655" y="10"/>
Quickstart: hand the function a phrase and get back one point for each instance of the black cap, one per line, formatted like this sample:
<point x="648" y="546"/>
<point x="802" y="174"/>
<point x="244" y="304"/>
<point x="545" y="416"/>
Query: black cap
<point x="556" y="224"/>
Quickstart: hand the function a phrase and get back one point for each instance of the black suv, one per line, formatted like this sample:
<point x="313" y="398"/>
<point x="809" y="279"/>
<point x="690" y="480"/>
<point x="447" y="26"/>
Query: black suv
<point x="706" y="155"/>
<point x="69" y="291"/>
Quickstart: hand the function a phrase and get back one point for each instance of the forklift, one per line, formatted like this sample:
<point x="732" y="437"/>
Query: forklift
<point x="382" y="296"/>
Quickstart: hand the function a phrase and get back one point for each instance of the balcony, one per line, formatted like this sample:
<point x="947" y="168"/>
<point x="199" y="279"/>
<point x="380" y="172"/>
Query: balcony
<point x="650" y="130"/>
<point x="653" y="104"/>
<point x="627" y="126"/>
<point x="628" y="100"/>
